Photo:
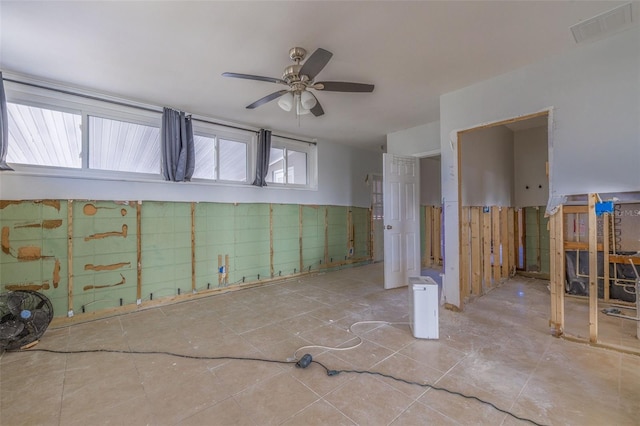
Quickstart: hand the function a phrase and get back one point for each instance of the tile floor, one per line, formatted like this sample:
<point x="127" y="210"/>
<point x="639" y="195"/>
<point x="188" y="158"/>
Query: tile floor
<point x="499" y="349"/>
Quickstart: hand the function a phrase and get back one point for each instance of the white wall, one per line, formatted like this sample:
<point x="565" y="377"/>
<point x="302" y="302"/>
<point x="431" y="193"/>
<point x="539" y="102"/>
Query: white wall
<point x="530" y="154"/>
<point x="487" y="167"/>
<point x="341" y="181"/>
<point x="594" y="92"/>
<point x="420" y="141"/>
<point x="430" y="193"/>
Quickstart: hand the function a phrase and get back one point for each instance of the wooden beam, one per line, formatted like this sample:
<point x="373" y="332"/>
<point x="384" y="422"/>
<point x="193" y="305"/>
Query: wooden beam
<point x="486" y="248"/>
<point x="605" y="251"/>
<point x="138" y="252"/>
<point x="593" y="270"/>
<point x="465" y="253"/>
<point x="437" y="232"/>
<point x="495" y="242"/>
<point x="476" y="251"/>
<point x="326" y="234"/>
<point x="300" y="216"/>
<point x="70" y="258"/>
<point x="271" y="271"/>
<point x="428" y="237"/>
<point x="579" y="245"/>
<point x="504" y="243"/>
<point x="511" y="239"/>
<point x="628" y="259"/>
<point x="575" y="209"/>
<point x="557" y="272"/>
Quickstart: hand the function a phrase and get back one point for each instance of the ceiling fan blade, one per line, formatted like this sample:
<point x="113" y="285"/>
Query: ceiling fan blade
<point x="315" y="63"/>
<point x="343" y="86"/>
<point x="268" y="98"/>
<point x="254" y="77"/>
<point x="317" y="109"/>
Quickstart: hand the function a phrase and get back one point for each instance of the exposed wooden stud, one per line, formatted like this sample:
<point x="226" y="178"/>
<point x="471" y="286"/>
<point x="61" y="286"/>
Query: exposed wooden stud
<point x="579" y="245"/>
<point x="225" y="279"/>
<point x="70" y="256"/>
<point x="556" y="272"/>
<point x="503" y="122"/>
<point x="504" y="242"/>
<point x="350" y="233"/>
<point x="436" y="232"/>
<point x="605" y="251"/>
<point x="575" y="209"/>
<point x="495" y="242"/>
<point x="465" y="253"/>
<point x="428" y="237"/>
<point x="620" y="258"/>
<point x="326" y="235"/>
<point x="193" y="246"/>
<point x="511" y="240"/>
<point x="593" y="269"/>
<point x="476" y="251"/>
<point x="539" y="241"/>
<point x="300" y="233"/>
<point x="486" y="248"/>
<point x="138" y="251"/>
<point x="271" y="270"/>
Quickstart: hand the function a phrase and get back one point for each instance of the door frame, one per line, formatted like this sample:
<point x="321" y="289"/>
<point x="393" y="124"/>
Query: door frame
<point x="548" y="112"/>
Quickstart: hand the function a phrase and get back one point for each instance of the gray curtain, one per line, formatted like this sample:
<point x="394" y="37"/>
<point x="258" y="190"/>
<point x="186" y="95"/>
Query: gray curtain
<point x="178" y="152"/>
<point x="4" y="128"/>
<point x="262" y="160"/>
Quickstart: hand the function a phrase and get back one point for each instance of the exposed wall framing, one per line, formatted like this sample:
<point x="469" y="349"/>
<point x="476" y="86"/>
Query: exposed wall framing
<point x="431" y="230"/>
<point x="577" y="229"/>
<point x="98" y="257"/>
<point x="487" y="248"/>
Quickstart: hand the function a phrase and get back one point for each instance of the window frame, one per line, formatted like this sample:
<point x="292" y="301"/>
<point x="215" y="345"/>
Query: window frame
<point x="216" y="133"/>
<point x="65" y="102"/>
<point x="310" y="149"/>
<point x="86" y="103"/>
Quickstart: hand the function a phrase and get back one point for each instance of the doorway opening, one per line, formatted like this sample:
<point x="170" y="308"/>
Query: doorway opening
<point x="431" y="218"/>
<point x="503" y="189"/>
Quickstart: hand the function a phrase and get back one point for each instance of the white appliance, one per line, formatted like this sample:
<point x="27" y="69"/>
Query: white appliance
<point x="423" y="301"/>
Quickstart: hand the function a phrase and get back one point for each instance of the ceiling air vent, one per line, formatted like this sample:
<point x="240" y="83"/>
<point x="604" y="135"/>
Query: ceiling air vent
<point x="605" y="23"/>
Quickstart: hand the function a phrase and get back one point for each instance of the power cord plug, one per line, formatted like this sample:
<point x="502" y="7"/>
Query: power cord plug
<point x="304" y="361"/>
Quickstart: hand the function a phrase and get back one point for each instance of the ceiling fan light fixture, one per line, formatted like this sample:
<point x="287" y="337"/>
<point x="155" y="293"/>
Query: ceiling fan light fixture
<point x="286" y="101"/>
<point x="307" y="100"/>
<point x="300" y="108"/>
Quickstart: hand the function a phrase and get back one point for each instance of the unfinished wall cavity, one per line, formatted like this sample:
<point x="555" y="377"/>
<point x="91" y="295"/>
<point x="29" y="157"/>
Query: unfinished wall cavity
<point x="98" y="256"/>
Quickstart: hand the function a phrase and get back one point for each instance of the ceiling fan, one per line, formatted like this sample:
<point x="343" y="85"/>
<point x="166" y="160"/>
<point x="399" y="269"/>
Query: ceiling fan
<point x="300" y="78"/>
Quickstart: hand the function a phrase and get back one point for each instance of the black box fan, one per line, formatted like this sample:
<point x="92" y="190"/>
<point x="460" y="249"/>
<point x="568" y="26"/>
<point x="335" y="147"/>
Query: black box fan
<point x="24" y="317"/>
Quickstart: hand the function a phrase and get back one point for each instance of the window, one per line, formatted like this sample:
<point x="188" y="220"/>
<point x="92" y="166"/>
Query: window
<point x="80" y="134"/>
<point x="221" y="157"/>
<point x="121" y="146"/>
<point x="44" y="137"/>
<point x="289" y="162"/>
<point x="233" y="160"/>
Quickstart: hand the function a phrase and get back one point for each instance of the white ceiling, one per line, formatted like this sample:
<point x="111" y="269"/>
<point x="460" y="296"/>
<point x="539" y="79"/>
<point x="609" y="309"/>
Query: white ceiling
<point x="173" y="53"/>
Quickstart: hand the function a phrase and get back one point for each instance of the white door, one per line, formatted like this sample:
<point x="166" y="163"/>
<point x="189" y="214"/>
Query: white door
<point x="401" y="219"/>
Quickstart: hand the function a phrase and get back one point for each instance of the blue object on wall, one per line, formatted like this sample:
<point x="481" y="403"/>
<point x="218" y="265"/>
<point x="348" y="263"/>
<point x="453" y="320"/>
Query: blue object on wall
<point x="604" y="207"/>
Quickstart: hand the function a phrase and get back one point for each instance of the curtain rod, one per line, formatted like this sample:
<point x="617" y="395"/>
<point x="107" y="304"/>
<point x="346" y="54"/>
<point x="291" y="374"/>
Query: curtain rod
<point x="82" y="95"/>
<point x="159" y="110"/>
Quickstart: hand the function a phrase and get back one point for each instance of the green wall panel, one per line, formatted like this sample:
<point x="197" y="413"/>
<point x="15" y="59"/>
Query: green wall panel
<point x="38" y="228"/>
<point x="105" y="246"/>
